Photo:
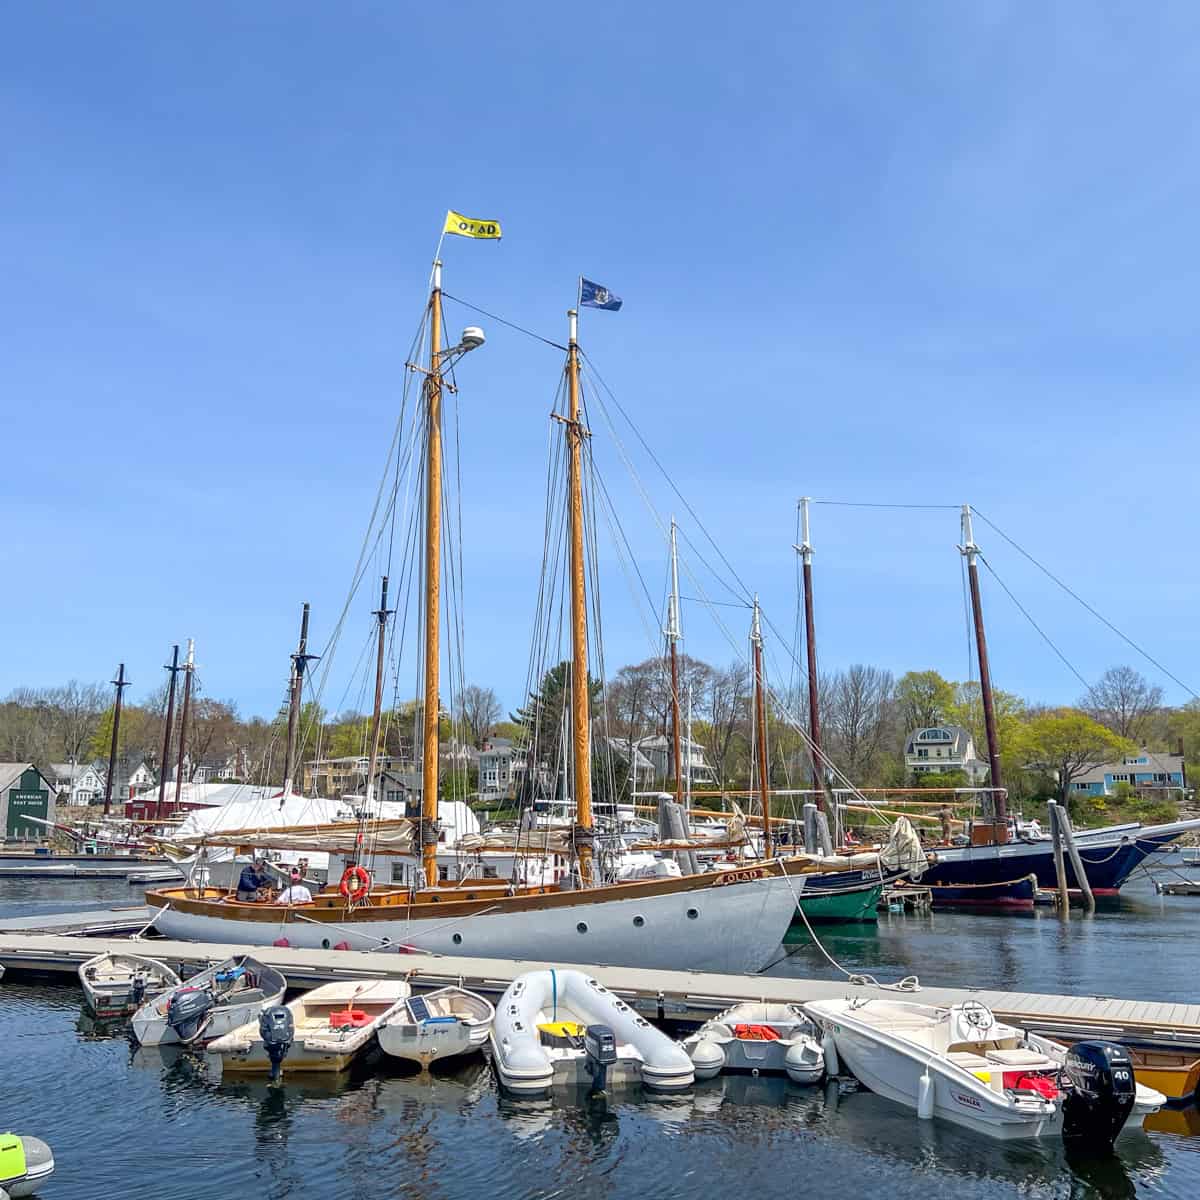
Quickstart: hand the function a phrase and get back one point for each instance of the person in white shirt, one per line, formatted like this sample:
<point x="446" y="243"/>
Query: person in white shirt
<point x="295" y="892"/>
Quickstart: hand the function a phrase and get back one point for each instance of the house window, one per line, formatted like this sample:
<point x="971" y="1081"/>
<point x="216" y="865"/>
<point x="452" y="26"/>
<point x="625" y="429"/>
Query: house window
<point x="922" y="751"/>
<point x="1082" y="787"/>
<point x="935" y="735"/>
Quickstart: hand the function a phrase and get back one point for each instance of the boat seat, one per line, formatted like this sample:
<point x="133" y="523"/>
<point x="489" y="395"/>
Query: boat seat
<point x="967" y="1060"/>
<point x="1019" y="1058"/>
<point x="242" y="996"/>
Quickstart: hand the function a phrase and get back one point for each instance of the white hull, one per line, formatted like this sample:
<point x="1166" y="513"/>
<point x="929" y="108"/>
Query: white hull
<point x="154" y="1030"/>
<point x="441" y="1024"/>
<point x="735" y="928"/>
<point x="108" y="982"/>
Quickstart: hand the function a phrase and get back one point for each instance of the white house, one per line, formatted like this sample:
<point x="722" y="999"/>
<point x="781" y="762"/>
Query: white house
<point x="937" y="749"/>
<point x="497" y="777"/>
<point x="78" y="783"/>
<point x="659" y="750"/>
<point x="642" y="771"/>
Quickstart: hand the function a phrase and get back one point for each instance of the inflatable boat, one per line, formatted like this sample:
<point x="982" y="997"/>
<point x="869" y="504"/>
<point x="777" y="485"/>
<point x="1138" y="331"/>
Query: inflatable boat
<point x="775" y="1039"/>
<point x="561" y="1028"/>
<point x="25" y="1164"/>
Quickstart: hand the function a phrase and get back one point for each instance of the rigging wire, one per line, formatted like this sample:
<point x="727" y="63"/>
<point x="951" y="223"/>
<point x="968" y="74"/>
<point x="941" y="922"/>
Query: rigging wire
<point x="511" y="324"/>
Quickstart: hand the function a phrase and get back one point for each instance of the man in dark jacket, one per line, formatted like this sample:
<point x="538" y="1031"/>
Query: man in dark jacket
<point x="253" y="878"/>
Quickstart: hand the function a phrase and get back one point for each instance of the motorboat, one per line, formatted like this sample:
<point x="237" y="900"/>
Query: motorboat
<point x="210" y="1004"/>
<point x="558" y="1027"/>
<point x="439" y="1024"/>
<point x="116" y="984"/>
<point x="962" y="1065"/>
<point x="322" y="1030"/>
<point x="759" y="1038"/>
<point x="25" y="1164"/>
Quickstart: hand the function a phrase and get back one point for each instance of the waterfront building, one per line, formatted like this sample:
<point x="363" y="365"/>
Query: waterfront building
<point x="938" y="749"/>
<point x="1145" y="771"/>
<point x="25" y="791"/>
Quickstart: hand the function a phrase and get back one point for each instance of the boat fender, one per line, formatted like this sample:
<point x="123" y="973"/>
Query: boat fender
<point x="925" y="1097"/>
<point x="829" y="1048"/>
<point x="707" y="1057"/>
<point x="277" y="1028"/>
<point x="282" y="943"/>
<point x="356" y="883"/>
<point x="342" y="946"/>
<point x="804" y="1062"/>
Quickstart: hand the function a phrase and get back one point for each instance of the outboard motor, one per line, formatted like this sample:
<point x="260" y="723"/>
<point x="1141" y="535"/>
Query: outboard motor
<point x="1099" y="1094"/>
<point x="600" y="1045"/>
<point x="277" y="1029"/>
<point x="187" y="1012"/>
<point x="137" y="991"/>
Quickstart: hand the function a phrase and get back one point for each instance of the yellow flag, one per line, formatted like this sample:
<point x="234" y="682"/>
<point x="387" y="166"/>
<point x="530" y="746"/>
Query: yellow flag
<point x="465" y="227"/>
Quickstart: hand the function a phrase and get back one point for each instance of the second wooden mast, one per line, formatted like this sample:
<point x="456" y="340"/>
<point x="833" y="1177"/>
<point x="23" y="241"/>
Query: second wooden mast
<point x="580" y="737"/>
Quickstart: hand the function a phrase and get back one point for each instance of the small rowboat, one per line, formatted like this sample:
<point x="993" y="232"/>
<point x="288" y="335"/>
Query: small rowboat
<point x="117" y="984"/>
<point x="437" y="1025"/>
<point x="328" y="1027"/>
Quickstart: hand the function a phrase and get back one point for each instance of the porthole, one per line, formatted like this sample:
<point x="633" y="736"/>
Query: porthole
<point x="457" y="939"/>
<point x="693" y="913"/>
<point x="324" y="943"/>
<point x="639" y="922"/>
<point x="582" y="927"/>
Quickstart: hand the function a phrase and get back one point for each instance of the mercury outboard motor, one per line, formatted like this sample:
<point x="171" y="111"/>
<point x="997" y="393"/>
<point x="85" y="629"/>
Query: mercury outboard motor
<point x="187" y="1012"/>
<point x="137" y="991"/>
<point x="1099" y="1094"/>
<point x="277" y="1029"/>
<point x="600" y="1045"/>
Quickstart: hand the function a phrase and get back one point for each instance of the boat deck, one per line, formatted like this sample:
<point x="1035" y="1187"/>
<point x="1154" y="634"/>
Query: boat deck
<point x="679" y="995"/>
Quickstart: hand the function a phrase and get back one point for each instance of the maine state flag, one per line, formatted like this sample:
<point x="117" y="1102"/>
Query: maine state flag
<point x="596" y="295"/>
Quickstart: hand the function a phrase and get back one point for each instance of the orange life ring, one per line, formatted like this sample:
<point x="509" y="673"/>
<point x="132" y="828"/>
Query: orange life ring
<point x="363" y="877"/>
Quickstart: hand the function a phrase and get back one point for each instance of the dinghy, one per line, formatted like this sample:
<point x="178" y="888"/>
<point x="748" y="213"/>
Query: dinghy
<point x="25" y="1164"/>
<point x="760" y="1038"/>
<point x="962" y="1065"/>
<point x="560" y="1027"/>
<point x="116" y="984"/>
<point x="321" y="1031"/>
<point x="210" y="1004"/>
<point x="437" y="1025"/>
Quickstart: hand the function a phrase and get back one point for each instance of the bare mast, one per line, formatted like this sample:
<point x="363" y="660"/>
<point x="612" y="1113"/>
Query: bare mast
<point x="189" y="669"/>
<point x="300" y="661"/>
<point x="120" y="683"/>
<point x="760" y="720"/>
<point x="174" y="668"/>
<point x="381" y="615"/>
<point x="1000" y="797"/>
<point x="673" y="636"/>
<point x="810" y="646"/>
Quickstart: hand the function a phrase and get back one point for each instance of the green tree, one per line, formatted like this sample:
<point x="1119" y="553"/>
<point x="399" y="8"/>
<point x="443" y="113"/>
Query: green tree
<point x="1065" y="743"/>
<point x="923" y="698"/>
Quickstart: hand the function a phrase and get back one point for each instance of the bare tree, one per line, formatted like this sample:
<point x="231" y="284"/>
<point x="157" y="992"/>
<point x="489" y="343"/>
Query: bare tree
<point x="728" y="716"/>
<point x="479" y="710"/>
<point x="858" y="716"/>
<point x="1124" y="701"/>
<point x="213" y="729"/>
<point x="78" y="708"/>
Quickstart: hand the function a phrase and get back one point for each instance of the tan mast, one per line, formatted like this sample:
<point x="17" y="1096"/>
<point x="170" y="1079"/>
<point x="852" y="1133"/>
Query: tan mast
<point x="764" y="792"/>
<point x="581" y="750"/>
<point x="673" y="636"/>
<point x="433" y="582"/>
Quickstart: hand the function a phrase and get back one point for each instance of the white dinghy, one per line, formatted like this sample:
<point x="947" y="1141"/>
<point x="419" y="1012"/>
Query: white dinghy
<point x="117" y="984"/>
<point x="323" y="1030"/>
<point x="437" y="1025"/>
<point x="25" y="1164"/>
<point x="964" y="1066"/>
<point x="210" y="1004"/>
<point x="758" y="1037"/>
<point x="560" y="1027"/>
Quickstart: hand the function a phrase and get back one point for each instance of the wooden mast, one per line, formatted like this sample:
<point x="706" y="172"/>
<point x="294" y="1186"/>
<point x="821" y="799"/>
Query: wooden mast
<point x="381" y="615"/>
<point x="760" y="741"/>
<point x="580" y="742"/>
<point x="120" y="683"/>
<point x="673" y="636"/>
<point x="166" y="750"/>
<point x="433" y="582"/>
<point x="189" y="669"/>
<point x="300" y="661"/>
<point x="1000" y="797"/>
<point x="810" y="645"/>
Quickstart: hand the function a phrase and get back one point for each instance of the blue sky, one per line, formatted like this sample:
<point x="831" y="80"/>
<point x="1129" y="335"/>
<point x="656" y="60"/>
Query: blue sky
<point x="897" y="253"/>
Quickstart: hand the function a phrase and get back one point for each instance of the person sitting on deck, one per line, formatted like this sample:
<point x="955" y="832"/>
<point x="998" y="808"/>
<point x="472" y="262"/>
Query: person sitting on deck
<point x="253" y="879"/>
<point x="295" y="892"/>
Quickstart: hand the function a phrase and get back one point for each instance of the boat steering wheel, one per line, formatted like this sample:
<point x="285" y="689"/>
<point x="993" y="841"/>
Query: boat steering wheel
<point x="977" y="1014"/>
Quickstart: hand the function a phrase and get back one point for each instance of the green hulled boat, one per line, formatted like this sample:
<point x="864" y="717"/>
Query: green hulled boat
<point x="854" y="902"/>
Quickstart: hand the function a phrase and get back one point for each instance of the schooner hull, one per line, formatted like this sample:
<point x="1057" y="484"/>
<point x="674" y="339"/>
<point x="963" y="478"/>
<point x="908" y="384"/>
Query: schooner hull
<point x="730" y="926"/>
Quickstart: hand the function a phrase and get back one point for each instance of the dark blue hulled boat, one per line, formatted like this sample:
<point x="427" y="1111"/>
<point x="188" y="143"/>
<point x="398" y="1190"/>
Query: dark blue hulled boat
<point x="999" y="875"/>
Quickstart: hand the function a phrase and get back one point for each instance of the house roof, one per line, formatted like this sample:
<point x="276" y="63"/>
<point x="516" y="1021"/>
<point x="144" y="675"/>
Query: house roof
<point x="640" y="761"/>
<point x="10" y="772"/>
<point x="1165" y="764"/>
<point x="960" y="739"/>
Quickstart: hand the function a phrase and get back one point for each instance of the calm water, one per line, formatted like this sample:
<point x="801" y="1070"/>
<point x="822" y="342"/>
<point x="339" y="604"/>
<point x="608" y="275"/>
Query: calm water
<point x="133" y="1123"/>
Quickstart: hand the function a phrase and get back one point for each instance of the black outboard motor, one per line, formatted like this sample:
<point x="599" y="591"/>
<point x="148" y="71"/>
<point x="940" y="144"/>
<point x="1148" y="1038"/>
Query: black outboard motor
<point x="137" y="991"/>
<point x="1099" y="1093"/>
<point x="600" y="1045"/>
<point x="188" y="1011"/>
<point x="277" y="1029"/>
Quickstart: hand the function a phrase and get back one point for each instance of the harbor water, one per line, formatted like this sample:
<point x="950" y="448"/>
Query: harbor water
<point x="128" y="1122"/>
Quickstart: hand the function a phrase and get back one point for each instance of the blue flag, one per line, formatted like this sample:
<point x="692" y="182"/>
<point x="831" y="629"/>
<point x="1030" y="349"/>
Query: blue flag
<point x="596" y="295"/>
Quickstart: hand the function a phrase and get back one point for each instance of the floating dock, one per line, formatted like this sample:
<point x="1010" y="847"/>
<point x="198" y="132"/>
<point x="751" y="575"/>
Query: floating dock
<point x="124" y="919"/>
<point x="692" y="996"/>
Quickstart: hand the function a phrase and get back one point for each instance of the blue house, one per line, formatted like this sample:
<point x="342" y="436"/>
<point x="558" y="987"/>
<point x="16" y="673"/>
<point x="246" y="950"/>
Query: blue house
<point x="1145" y="771"/>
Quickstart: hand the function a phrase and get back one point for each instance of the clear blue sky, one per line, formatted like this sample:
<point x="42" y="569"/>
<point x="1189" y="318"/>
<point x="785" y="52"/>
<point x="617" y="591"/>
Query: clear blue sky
<point x="927" y="252"/>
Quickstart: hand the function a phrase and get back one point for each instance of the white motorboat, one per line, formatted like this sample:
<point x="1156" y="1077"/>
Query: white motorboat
<point x="560" y="1027"/>
<point x="964" y="1066"/>
<point x="437" y="1025"/>
<point x="758" y="1037"/>
<point x="322" y="1030"/>
<point x="116" y="984"/>
<point x="25" y="1164"/>
<point x="210" y="1004"/>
